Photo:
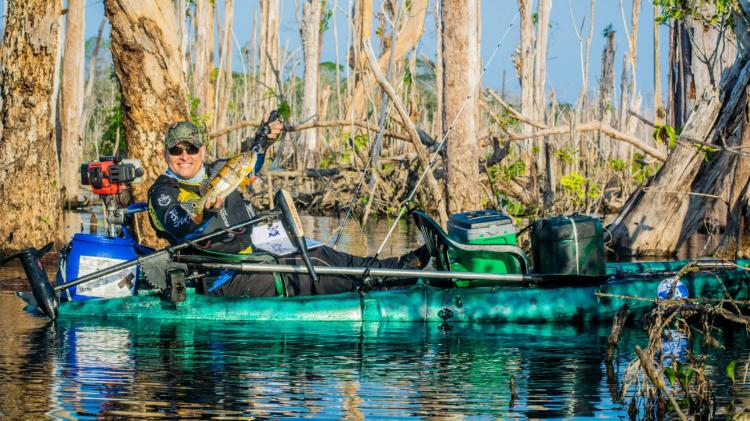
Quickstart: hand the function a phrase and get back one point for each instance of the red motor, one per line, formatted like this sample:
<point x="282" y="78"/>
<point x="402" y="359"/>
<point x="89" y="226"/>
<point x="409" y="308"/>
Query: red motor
<point x="110" y="175"/>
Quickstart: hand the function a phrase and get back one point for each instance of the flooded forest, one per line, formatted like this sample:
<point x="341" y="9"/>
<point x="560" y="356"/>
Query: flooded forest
<point x="388" y="116"/>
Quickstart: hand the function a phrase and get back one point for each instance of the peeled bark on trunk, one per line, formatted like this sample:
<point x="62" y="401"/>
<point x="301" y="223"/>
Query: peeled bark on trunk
<point x="697" y="206"/>
<point x="462" y="64"/>
<point x="698" y="57"/>
<point x="154" y="90"/>
<point x="72" y="101"/>
<point x="690" y="198"/>
<point x="526" y="61"/>
<point x="310" y="32"/>
<point x="540" y="57"/>
<point x="606" y="90"/>
<point x="658" y="111"/>
<point x="224" y="81"/>
<point x="203" y="86"/>
<point x="361" y="33"/>
<point x="270" y="56"/>
<point x="29" y="194"/>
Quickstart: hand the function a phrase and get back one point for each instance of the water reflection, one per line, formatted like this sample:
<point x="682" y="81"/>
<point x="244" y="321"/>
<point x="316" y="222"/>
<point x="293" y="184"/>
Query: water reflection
<point x="320" y="370"/>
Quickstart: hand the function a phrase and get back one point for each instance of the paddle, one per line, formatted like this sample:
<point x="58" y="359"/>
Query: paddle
<point x="378" y="272"/>
<point x="40" y="287"/>
<point x="293" y="225"/>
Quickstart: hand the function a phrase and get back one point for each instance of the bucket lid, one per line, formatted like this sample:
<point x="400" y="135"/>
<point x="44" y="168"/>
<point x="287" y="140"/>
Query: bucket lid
<point x="479" y="219"/>
<point x="102" y="240"/>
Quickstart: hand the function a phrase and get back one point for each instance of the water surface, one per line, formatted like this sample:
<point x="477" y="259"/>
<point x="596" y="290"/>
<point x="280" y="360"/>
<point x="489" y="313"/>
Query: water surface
<point x="205" y="369"/>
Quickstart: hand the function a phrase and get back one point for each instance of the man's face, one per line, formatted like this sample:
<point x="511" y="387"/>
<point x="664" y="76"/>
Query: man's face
<point x="185" y="164"/>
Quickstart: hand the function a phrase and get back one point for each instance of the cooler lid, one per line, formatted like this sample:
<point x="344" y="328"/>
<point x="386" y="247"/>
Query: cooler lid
<point x="479" y="219"/>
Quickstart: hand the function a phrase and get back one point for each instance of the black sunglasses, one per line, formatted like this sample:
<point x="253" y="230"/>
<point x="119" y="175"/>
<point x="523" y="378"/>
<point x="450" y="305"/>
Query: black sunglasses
<point x="177" y="150"/>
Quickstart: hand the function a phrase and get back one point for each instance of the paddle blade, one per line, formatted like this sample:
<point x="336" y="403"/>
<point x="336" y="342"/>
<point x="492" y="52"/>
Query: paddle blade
<point x="293" y="225"/>
<point x="42" y="290"/>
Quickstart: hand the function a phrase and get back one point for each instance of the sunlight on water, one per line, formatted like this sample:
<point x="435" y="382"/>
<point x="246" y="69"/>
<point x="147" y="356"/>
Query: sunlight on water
<point x="319" y="370"/>
<point x="147" y="369"/>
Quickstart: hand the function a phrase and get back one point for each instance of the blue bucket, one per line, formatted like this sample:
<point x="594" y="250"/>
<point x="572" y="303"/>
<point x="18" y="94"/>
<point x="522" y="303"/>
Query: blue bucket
<point x="87" y="253"/>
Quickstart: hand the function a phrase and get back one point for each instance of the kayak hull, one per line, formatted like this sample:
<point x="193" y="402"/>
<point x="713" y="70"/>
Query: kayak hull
<point x="423" y="303"/>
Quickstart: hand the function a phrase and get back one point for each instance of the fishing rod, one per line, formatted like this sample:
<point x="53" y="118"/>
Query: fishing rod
<point x="515" y="279"/>
<point x="46" y="295"/>
<point x="375" y="148"/>
<point x="442" y="143"/>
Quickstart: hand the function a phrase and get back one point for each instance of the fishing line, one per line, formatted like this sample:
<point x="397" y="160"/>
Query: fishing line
<point x="375" y="147"/>
<point x="402" y="209"/>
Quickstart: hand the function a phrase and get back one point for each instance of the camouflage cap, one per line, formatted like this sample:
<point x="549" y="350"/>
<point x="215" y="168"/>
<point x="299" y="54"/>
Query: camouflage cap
<point x="183" y="131"/>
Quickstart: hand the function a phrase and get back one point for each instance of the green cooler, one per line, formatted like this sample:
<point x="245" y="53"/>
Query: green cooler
<point x="482" y="227"/>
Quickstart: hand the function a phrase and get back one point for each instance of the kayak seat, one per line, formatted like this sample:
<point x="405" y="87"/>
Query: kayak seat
<point x="443" y="251"/>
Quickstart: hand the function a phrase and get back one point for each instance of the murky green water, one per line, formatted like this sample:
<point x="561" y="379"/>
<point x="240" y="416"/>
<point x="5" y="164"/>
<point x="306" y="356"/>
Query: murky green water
<point x="318" y="370"/>
<point x="95" y="369"/>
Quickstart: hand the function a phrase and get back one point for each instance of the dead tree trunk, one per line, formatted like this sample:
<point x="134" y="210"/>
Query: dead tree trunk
<point x="695" y="204"/>
<point x="224" y="80"/>
<point x="658" y="111"/>
<point x="270" y="56"/>
<point x="29" y="196"/>
<point x="407" y="39"/>
<point x="154" y="90"/>
<point x="72" y="100"/>
<point x="310" y="32"/>
<point x="203" y="86"/>
<point x="698" y="56"/>
<point x="607" y="89"/>
<point x="462" y="71"/>
<point x="525" y="64"/>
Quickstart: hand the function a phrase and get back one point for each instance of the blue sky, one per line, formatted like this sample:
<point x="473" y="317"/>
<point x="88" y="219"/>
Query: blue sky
<point x="564" y="74"/>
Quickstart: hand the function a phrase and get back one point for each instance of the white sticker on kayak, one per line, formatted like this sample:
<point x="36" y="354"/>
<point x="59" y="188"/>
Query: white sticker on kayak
<point x="274" y="239"/>
<point x="111" y="286"/>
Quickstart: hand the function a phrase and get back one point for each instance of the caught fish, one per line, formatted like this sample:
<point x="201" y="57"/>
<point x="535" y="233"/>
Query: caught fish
<point x="237" y="172"/>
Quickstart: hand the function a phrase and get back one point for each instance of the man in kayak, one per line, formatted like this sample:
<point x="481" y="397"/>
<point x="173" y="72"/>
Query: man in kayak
<point x="184" y="151"/>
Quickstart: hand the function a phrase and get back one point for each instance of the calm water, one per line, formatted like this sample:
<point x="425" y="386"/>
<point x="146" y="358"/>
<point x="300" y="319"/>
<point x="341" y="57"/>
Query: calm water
<point x="95" y="369"/>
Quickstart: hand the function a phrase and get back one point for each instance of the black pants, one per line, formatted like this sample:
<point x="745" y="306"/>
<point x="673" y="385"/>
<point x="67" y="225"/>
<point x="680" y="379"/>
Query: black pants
<point x="264" y="285"/>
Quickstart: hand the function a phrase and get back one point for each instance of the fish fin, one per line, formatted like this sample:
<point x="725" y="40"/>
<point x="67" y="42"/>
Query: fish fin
<point x="205" y="184"/>
<point x="194" y="208"/>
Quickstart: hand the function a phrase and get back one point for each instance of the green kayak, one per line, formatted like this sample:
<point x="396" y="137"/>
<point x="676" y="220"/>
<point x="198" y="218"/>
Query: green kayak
<point x="570" y="300"/>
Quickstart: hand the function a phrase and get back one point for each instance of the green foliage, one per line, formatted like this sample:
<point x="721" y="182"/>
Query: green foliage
<point x="642" y="169"/>
<point x="285" y="111"/>
<point x="617" y="165"/>
<point x="535" y="149"/>
<point x="665" y="133"/>
<point x="200" y="120"/>
<point x="113" y="126"/>
<point x="566" y="154"/>
<point x="716" y="13"/>
<point x="325" y="17"/>
<point x="730" y="370"/>
<point x="512" y="207"/>
<point x="506" y="173"/>
<point x="682" y="374"/>
<point x="574" y="183"/>
<point x="407" y="77"/>
<point x="609" y="29"/>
